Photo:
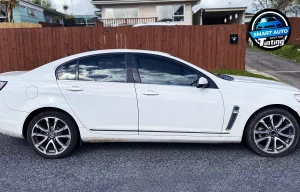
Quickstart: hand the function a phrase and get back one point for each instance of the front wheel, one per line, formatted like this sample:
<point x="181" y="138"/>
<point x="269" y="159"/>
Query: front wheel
<point x="52" y="134"/>
<point x="272" y="133"/>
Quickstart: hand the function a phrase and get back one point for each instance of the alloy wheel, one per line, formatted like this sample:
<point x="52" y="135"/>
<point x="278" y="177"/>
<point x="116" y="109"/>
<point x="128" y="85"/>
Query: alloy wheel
<point x="51" y="136"/>
<point x="274" y="133"/>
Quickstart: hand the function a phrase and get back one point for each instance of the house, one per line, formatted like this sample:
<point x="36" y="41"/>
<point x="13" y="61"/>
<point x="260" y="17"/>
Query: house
<point x="215" y="16"/>
<point x="248" y="17"/>
<point x="131" y="12"/>
<point x="26" y="11"/>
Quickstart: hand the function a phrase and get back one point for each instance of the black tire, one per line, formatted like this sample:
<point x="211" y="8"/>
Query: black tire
<point x="72" y="131"/>
<point x="250" y="128"/>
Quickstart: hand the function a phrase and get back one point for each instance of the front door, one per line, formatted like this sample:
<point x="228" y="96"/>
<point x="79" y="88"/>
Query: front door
<point x="170" y="103"/>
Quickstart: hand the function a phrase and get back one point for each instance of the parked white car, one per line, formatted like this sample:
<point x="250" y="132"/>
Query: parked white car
<point x="144" y="96"/>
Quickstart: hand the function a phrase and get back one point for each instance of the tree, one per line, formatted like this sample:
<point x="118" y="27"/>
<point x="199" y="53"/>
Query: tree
<point x="10" y="5"/>
<point x="47" y="4"/>
<point x="282" y="5"/>
<point x="38" y="2"/>
<point x="65" y="8"/>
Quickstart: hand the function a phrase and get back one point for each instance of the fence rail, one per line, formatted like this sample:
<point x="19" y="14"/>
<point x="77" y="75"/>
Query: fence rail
<point x="205" y="46"/>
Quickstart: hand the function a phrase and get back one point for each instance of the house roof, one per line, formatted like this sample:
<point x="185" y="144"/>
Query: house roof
<point x="45" y="9"/>
<point x="221" y="9"/>
<point x="111" y="2"/>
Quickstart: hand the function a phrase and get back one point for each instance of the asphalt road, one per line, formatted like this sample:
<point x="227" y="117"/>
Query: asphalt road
<point x="146" y="167"/>
<point x="156" y="167"/>
<point x="285" y="70"/>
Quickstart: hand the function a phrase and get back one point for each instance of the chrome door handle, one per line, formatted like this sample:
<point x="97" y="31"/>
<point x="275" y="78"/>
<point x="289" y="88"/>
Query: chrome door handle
<point x="74" y="88"/>
<point x="149" y="92"/>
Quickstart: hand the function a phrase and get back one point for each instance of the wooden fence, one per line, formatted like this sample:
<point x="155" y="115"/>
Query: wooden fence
<point x="295" y="34"/>
<point x="205" y="46"/>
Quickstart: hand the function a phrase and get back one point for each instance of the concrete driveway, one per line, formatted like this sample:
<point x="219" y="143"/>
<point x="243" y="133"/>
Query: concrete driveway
<point x="285" y="70"/>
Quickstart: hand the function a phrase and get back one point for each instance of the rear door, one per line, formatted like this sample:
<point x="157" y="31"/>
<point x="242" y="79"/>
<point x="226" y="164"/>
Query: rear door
<point x="100" y="93"/>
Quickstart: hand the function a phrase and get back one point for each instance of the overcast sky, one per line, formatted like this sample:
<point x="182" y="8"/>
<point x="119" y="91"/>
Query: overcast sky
<point x="84" y="7"/>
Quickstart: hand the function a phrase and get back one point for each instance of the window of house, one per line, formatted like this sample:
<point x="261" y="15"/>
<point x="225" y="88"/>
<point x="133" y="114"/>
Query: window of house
<point x="160" y="70"/>
<point x="170" y="13"/>
<point x="105" y="68"/>
<point x="119" y="13"/>
<point x="32" y="12"/>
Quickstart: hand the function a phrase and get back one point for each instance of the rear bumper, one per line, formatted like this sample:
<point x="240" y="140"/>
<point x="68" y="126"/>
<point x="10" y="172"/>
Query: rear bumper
<point x="11" y="121"/>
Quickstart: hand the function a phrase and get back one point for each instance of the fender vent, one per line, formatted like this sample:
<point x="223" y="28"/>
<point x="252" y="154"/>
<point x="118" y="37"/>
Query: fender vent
<point x="235" y="112"/>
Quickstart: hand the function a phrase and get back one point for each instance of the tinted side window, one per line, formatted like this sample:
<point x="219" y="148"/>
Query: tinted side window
<point x="105" y="68"/>
<point x="160" y="70"/>
<point x="67" y="71"/>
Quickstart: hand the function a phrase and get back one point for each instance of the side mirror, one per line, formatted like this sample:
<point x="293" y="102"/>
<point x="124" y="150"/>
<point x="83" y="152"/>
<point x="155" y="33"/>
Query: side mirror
<point x="202" y="83"/>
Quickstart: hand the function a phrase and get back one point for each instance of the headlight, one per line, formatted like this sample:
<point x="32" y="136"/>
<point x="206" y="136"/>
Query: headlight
<point x="297" y="97"/>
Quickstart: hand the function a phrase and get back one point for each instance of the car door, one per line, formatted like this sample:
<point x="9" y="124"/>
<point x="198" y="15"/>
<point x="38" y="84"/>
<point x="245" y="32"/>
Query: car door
<point x="169" y="101"/>
<point x="100" y="94"/>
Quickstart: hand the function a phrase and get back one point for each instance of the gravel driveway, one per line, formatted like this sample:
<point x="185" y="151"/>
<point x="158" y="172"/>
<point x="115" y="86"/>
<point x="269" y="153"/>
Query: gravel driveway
<point x="285" y="70"/>
<point x="146" y="167"/>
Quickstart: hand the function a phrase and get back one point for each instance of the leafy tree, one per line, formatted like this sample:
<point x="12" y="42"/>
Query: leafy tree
<point x="65" y="8"/>
<point x="38" y="2"/>
<point x="10" y="5"/>
<point x="282" y="5"/>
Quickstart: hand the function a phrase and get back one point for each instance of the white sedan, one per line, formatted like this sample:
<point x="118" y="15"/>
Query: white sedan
<point x="144" y="96"/>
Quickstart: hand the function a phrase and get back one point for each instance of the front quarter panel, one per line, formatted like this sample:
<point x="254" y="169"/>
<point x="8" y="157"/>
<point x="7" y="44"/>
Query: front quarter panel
<point x="250" y="99"/>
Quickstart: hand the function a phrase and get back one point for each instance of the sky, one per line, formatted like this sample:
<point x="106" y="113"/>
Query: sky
<point x="84" y="7"/>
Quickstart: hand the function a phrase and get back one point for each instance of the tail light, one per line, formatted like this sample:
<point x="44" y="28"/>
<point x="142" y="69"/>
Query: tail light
<point x="2" y="84"/>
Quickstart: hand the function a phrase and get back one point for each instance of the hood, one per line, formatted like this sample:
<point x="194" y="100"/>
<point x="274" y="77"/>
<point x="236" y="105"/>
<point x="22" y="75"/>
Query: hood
<point x="263" y="83"/>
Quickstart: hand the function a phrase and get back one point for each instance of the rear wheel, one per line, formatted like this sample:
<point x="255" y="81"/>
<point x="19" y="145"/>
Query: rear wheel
<point x="52" y="134"/>
<point x="272" y="133"/>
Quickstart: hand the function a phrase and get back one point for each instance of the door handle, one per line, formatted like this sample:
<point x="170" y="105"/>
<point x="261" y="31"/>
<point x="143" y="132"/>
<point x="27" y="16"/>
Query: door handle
<point x="74" y="88"/>
<point x="150" y="92"/>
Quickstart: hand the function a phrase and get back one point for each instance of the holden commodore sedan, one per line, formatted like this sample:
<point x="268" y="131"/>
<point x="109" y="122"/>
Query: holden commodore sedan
<point x="144" y="96"/>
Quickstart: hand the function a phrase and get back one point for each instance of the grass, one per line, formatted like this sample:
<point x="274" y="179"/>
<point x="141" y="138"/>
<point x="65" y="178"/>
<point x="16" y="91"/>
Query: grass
<point x="242" y="73"/>
<point x="288" y="51"/>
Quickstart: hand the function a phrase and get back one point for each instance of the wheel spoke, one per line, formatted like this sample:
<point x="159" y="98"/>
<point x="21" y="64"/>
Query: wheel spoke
<point x="60" y="143"/>
<point x="278" y="139"/>
<point x="285" y="135"/>
<point x="262" y="139"/>
<point x="55" y="122"/>
<point x="63" y="136"/>
<point x="41" y="128"/>
<point x="48" y="124"/>
<point x="264" y="123"/>
<point x="274" y="145"/>
<point x="280" y="122"/>
<point x="272" y="121"/>
<point x="45" y="149"/>
<point x="285" y="127"/>
<point x="261" y="132"/>
<point x="54" y="146"/>
<point x="38" y="135"/>
<point x="61" y="129"/>
<point x="37" y="145"/>
<point x="268" y="144"/>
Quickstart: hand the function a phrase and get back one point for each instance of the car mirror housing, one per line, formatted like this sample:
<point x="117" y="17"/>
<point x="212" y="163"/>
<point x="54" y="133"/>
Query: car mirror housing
<point x="202" y="83"/>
